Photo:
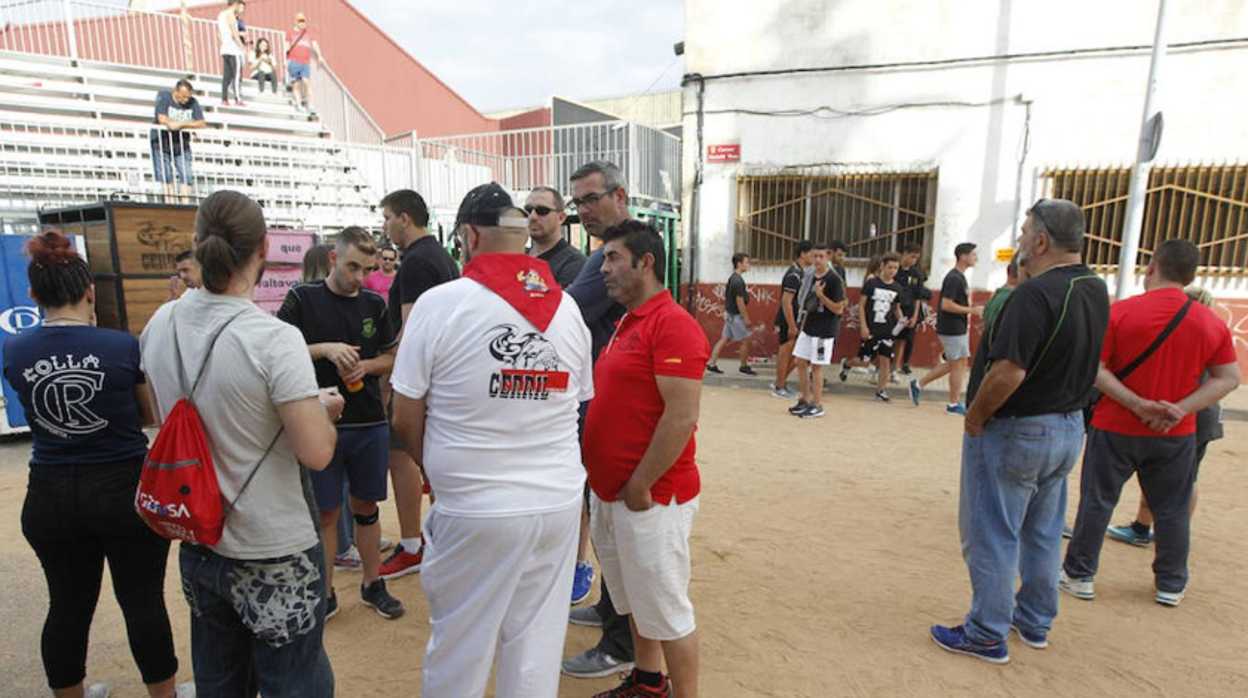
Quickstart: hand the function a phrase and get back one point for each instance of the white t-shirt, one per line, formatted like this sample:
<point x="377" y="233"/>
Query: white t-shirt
<point x="502" y="399"/>
<point x="258" y="363"/>
<point x="226" y="24"/>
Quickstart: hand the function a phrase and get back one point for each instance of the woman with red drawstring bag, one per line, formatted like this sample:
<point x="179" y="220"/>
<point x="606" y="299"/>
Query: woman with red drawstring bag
<point x="254" y="576"/>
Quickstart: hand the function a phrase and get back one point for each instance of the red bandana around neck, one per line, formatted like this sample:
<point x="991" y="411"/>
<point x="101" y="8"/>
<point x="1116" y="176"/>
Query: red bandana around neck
<point x="525" y="282"/>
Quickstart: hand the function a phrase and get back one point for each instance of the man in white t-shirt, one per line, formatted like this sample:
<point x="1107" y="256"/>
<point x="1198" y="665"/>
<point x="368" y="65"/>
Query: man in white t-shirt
<point x="233" y="50"/>
<point x="490" y="372"/>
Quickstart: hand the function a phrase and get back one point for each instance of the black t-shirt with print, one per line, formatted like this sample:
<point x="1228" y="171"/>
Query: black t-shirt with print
<point x="1053" y="326"/>
<point x="957" y="290"/>
<point x="791" y="283"/>
<point x="735" y="289"/>
<point x="424" y="264"/>
<point x="913" y="288"/>
<point x="361" y="321"/>
<point x="881" y="299"/>
<point x="822" y="322"/>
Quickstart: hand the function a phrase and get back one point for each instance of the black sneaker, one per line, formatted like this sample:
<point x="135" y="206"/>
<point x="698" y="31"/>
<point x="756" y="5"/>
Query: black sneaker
<point x="331" y="605"/>
<point x="747" y="370"/>
<point x="882" y="396"/>
<point x="799" y="408"/>
<point x="377" y="598"/>
<point x="844" y="373"/>
<point x="905" y="370"/>
<point x="812" y="412"/>
<point x="712" y="368"/>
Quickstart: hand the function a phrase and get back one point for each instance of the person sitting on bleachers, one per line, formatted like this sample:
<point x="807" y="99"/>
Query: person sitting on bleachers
<point x="178" y="112"/>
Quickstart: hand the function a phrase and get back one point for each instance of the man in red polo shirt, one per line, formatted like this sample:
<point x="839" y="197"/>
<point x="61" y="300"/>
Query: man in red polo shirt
<point x="639" y="450"/>
<point x="1146" y="422"/>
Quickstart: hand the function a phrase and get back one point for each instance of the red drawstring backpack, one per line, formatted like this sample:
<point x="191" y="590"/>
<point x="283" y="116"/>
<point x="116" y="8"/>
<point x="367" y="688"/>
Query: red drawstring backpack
<point x="178" y="495"/>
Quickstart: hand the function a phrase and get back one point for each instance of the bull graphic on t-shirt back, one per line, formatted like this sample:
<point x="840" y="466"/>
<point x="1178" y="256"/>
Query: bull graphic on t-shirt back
<point x="531" y="365"/>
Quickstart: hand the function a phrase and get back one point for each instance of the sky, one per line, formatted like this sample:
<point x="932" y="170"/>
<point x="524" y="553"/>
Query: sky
<point x="503" y="54"/>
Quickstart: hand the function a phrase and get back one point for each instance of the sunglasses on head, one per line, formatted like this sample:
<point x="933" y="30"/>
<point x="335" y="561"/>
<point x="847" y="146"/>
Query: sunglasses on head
<point x="541" y="210"/>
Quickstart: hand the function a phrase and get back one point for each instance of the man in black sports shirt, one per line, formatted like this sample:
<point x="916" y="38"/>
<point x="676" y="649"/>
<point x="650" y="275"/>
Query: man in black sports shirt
<point x="424" y="264"/>
<point x="352" y="343"/>
<point x="786" y="317"/>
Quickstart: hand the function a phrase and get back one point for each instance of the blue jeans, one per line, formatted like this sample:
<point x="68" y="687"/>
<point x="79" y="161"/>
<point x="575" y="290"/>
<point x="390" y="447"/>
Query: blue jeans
<point x="165" y="163"/>
<point x="256" y="625"/>
<point x="1011" y="512"/>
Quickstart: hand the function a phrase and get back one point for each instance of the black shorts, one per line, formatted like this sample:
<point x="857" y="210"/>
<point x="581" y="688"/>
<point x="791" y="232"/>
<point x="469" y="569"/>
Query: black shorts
<point x="876" y="347"/>
<point x="782" y="331"/>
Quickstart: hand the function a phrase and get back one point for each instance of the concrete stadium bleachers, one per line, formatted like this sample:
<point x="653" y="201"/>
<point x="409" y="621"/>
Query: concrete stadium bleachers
<point x="74" y="132"/>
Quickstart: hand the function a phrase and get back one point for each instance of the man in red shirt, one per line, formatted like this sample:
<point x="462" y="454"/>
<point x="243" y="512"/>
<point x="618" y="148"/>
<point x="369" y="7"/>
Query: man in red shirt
<point x="639" y="450"/>
<point x="300" y="44"/>
<point x="1146" y="421"/>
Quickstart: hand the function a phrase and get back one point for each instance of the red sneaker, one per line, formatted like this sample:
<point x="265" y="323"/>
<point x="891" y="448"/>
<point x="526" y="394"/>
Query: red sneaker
<point x="631" y="689"/>
<point x="402" y="563"/>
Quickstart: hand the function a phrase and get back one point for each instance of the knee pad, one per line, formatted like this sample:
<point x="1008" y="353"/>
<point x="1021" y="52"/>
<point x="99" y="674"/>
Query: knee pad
<point x="367" y="519"/>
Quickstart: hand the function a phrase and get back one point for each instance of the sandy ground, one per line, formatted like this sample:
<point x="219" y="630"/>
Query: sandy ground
<point x="823" y="551"/>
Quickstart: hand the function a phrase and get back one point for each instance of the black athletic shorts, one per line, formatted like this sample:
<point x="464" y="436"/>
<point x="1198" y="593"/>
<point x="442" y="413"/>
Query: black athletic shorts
<point x="782" y="331"/>
<point x="876" y="347"/>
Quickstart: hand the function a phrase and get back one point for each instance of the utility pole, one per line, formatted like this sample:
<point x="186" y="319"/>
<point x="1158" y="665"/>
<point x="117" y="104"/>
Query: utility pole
<point x="1150" y="139"/>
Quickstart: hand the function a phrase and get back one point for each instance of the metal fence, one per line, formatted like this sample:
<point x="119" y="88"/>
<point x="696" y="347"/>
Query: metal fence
<point x="116" y="34"/>
<point x="1206" y="205"/>
<point x="523" y="159"/>
<point x="871" y="212"/>
<point x="338" y="110"/>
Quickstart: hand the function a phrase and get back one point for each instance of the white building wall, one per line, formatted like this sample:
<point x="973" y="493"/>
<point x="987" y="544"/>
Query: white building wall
<point x="968" y="122"/>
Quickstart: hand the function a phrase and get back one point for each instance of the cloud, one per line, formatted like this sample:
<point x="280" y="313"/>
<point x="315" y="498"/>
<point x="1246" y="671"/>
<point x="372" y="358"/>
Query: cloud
<point x="501" y="54"/>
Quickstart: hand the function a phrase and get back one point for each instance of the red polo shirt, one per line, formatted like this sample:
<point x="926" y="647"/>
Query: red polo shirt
<point x="658" y="339"/>
<point x="1201" y="340"/>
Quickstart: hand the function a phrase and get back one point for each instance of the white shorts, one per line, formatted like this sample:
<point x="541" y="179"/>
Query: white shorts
<point x="644" y="556"/>
<point x="816" y="350"/>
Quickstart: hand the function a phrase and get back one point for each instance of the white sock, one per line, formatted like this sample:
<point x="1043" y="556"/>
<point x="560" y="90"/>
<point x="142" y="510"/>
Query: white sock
<point x="411" y="545"/>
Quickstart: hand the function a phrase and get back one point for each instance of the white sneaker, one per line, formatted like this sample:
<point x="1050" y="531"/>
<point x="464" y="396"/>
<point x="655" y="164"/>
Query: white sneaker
<point x="98" y="690"/>
<point x="185" y="690"/>
<point x="1078" y="588"/>
<point x="1170" y="598"/>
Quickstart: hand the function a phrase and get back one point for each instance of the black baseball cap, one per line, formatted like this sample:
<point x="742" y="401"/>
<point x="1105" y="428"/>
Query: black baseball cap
<point x="486" y="204"/>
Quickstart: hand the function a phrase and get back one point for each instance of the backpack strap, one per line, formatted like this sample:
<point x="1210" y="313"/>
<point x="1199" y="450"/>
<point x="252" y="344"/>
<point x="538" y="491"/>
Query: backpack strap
<point x="1161" y="339"/>
<point x="229" y="506"/>
<point x="177" y="351"/>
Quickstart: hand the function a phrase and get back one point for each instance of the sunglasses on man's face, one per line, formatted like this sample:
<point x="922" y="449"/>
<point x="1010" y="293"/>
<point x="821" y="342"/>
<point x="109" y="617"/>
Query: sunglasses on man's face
<point x="541" y="210"/>
<point x="388" y="259"/>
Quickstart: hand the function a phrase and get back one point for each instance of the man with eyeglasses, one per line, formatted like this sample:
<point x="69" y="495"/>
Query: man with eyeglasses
<point x="601" y="201"/>
<point x="383" y="277"/>
<point x="546" y="218"/>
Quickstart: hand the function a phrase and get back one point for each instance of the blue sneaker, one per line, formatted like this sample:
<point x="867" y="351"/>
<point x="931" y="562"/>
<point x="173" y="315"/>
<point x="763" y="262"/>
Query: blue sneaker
<point x="582" y="582"/>
<point x="958" y="409"/>
<point x="955" y="640"/>
<point x="915" y="392"/>
<point x="1128" y="534"/>
<point x="1031" y="638"/>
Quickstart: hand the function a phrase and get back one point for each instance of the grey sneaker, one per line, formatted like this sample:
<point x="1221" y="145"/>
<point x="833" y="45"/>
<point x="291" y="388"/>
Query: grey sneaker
<point x="185" y="690"/>
<point x="586" y="615"/>
<point x="98" y="690"/>
<point x="1170" y="598"/>
<point x="593" y="663"/>
<point x="783" y="393"/>
<point x="377" y="598"/>
<point x="1078" y="588"/>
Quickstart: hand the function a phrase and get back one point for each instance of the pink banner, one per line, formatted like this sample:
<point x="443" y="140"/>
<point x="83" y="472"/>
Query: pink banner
<point x="288" y="246"/>
<point x="276" y="282"/>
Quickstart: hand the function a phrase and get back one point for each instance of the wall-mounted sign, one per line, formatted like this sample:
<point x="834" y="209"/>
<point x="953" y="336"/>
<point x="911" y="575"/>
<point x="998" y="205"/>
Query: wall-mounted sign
<point x="723" y="152"/>
<point x="1005" y="254"/>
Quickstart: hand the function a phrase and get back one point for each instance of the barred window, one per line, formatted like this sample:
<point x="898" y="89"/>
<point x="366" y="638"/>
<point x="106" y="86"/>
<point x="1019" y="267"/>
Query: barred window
<point x="871" y="213"/>
<point x="1205" y="205"/>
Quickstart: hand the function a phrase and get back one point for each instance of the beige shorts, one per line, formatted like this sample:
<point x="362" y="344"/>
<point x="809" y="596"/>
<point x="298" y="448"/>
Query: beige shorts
<point x="644" y="556"/>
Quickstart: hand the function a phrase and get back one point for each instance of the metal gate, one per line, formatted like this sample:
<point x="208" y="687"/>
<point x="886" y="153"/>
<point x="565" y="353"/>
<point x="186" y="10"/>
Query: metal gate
<point x="871" y="212"/>
<point x="1206" y="205"/>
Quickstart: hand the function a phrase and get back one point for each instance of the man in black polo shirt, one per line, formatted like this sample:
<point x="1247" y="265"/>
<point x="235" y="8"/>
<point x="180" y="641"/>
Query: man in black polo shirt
<point x="352" y="343"/>
<point x="546" y="218"/>
<point x="1032" y="376"/>
<point x="423" y="265"/>
<point x="786" y="317"/>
